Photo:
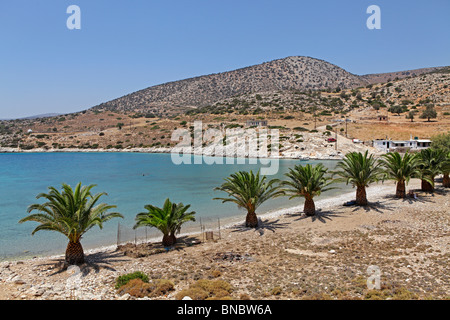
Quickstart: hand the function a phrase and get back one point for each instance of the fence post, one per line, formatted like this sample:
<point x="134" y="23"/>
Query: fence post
<point x="220" y="238"/>
<point x="201" y="229"/>
<point x="118" y="233"/>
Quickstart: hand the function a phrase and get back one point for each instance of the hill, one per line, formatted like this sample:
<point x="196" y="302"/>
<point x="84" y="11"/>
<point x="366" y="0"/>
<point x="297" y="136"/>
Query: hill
<point x="298" y="112"/>
<point x="291" y="73"/>
<point x="300" y="73"/>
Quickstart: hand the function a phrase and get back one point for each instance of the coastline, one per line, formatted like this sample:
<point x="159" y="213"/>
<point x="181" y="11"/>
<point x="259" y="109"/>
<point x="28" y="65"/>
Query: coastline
<point x="320" y="257"/>
<point x="227" y="221"/>
<point x="155" y="150"/>
<point x="374" y="193"/>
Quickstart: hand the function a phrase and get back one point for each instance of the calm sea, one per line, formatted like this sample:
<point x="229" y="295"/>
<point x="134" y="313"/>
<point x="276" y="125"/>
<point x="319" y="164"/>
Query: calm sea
<point x="131" y="180"/>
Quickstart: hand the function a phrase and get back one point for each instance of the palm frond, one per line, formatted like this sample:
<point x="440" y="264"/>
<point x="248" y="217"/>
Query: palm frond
<point x="306" y="181"/>
<point x="71" y="212"/>
<point x="358" y="169"/>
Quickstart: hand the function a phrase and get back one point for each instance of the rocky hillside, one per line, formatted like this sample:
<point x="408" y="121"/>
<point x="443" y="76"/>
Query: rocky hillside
<point x="386" y="77"/>
<point x="119" y="124"/>
<point x="411" y="93"/>
<point x="292" y="73"/>
<point x="299" y="73"/>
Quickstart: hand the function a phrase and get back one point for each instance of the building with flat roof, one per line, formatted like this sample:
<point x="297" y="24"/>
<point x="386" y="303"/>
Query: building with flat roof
<point x="256" y="123"/>
<point x="387" y="145"/>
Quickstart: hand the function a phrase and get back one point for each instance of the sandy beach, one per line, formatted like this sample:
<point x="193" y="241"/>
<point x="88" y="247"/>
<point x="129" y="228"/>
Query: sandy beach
<point x="289" y="256"/>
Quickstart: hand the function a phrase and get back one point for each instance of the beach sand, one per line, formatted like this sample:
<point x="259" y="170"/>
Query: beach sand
<point x="289" y="256"/>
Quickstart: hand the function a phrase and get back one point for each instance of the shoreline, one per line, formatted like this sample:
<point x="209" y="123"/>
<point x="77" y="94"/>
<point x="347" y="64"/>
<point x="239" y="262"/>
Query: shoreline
<point x="164" y="151"/>
<point x="374" y="193"/>
<point x="407" y="239"/>
<point x="229" y="221"/>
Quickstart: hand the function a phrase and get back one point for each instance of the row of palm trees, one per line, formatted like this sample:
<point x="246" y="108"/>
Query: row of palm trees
<point x="73" y="212"/>
<point x="360" y="170"/>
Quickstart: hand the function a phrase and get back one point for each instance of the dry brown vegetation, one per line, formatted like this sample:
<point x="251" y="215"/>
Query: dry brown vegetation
<point x="307" y="108"/>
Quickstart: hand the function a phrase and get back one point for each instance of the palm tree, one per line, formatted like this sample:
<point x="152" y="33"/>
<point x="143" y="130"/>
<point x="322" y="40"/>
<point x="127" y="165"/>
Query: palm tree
<point x="430" y="162"/>
<point x="445" y="167"/>
<point x="72" y="213"/>
<point x="249" y="191"/>
<point x="167" y="219"/>
<point x="360" y="170"/>
<point x="308" y="182"/>
<point x="401" y="169"/>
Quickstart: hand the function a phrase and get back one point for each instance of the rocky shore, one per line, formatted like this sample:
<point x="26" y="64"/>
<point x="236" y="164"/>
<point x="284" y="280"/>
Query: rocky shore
<point x="313" y="146"/>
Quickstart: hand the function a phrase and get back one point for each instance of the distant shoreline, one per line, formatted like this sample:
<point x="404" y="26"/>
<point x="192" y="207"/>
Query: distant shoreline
<point x="153" y="151"/>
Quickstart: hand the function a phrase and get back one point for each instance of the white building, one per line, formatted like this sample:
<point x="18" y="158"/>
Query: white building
<point x="411" y="144"/>
<point x="256" y="123"/>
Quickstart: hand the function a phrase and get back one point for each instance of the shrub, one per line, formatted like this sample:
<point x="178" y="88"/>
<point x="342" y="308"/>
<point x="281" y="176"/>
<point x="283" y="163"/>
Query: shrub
<point x="161" y="287"/>
<point x="193" y="293"/>
<point x="216" y="273"/>
<point x="136" y="288"/>
<point x="207" y="290"/>
<point x="139" y="288"/>
<point x="214" y="287"/>
<point x="244" y="296"/>
<point x="124" y="279"/>
<point x="276" y="291"/>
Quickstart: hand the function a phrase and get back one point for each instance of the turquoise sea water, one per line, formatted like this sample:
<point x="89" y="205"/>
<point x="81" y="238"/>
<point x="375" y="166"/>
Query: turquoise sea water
<point x="131" y="180"/>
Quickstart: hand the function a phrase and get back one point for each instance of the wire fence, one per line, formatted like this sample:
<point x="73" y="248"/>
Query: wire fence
<point x="208" y="229"/>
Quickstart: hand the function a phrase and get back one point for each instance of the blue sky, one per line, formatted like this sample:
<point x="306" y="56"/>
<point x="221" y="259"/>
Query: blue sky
<point x="124" y="46"/>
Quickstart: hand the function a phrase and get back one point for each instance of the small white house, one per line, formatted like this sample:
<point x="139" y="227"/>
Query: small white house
<point x="256" y="123"/>
<point x="412" y="144"/>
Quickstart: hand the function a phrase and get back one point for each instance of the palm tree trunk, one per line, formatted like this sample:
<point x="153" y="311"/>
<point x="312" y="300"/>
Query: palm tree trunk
<point x="446" y="181"/>
<point x="310" y="208"/>
<point x="168" y="240"/>
<point x="251" y="221"/>
<point x="74" y="253"/>
<point x="173" y="238"/>
<point x="401" y="189"/>
<point x="426" y="186"/>
<point x="361" y="197"/>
